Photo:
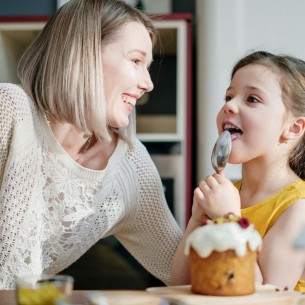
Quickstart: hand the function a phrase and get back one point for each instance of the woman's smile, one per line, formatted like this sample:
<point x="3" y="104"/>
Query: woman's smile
<point x="126" y="77"/>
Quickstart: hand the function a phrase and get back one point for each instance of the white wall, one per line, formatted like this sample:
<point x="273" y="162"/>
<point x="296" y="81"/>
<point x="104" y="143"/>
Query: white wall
<point x="226" y="31"/>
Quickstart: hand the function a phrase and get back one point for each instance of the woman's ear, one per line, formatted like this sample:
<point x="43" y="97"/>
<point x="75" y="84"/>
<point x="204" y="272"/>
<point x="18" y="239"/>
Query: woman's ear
<point x="295" y="129"/>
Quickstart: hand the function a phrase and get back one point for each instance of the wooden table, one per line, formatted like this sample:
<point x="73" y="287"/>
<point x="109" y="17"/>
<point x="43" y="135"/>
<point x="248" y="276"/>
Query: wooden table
<point x="265" y="294"/>
<point x="8" y="297"/>
<point x="124" y="297"/>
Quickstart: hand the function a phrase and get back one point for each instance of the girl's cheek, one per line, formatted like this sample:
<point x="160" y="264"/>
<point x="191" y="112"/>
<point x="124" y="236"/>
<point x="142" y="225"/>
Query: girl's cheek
<point x="218" y="120"/>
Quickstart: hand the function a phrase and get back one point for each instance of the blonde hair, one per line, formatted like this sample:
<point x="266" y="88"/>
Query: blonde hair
<point x="291" y="71"/>
<point x="62" y="69"/>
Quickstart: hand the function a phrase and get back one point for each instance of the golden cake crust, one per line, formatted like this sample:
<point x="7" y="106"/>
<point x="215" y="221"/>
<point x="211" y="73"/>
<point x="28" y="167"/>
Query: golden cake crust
<point x="223" y="273"/>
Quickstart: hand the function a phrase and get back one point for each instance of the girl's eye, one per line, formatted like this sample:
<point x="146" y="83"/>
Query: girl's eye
<point x="227" y="98"/>
<point x="252" y="99"/>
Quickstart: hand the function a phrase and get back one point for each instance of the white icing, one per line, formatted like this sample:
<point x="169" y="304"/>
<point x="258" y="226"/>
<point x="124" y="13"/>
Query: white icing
<point x="222" y="237"/>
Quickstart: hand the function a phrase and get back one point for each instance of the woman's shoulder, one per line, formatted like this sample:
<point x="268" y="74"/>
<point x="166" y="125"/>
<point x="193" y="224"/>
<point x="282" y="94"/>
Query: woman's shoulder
<point x="133" y="149"/>
<point x="11" y="90"/>
<point x="137" y="155"/>
<point x="13" y="98"/>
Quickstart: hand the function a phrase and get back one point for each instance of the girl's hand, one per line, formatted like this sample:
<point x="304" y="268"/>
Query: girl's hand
<point x="216" y="196"/>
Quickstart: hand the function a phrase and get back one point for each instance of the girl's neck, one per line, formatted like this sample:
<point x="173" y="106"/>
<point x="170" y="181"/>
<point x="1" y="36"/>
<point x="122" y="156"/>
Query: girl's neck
<point x="261" y="183"/>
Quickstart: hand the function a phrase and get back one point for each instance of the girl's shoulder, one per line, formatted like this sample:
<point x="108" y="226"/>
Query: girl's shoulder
<point x="291" y="193"/>
<point x="298" y="186"/>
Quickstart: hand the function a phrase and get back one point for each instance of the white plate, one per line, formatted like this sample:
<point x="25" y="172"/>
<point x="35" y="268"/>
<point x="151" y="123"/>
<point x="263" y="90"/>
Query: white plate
<point x="264" y="294"/>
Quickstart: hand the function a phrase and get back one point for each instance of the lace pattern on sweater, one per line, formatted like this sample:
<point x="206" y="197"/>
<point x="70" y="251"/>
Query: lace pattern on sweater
<point x="52" y="210"/>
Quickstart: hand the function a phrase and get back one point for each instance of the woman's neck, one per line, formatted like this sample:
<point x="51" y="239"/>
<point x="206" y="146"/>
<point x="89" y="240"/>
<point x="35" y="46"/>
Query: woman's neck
<point x="73" y="141"/>
<point x="86" y="150"/>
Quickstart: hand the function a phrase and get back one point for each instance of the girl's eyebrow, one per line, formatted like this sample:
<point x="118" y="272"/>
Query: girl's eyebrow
<point x="253" y="88"/>
<point x="247" y="87"/>
<point x="256" y="89"/>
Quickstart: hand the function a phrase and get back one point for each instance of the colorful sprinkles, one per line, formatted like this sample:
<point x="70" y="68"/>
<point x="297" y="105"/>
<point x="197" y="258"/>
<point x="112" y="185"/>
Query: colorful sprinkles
<point x="230" y="217"/>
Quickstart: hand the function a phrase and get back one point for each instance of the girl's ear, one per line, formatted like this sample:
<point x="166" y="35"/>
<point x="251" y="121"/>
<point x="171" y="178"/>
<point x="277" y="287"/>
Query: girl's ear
<point x="295" y="129"/>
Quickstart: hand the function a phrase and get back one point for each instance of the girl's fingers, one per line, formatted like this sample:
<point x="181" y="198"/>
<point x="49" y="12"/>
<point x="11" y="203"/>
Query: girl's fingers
<point x="198" y="193"/>
<point x="211" y="181"/>
<point x="203" y="185"/>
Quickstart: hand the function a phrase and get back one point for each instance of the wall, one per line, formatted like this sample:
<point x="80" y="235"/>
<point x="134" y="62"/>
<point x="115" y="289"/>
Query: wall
<point x="47" y="7"/>
<point x="226" y="31"/>
<point x="27" y="7"/>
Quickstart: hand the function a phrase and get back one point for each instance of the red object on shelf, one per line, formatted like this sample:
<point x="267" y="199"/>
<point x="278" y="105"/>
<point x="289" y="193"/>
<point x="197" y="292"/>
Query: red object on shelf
<point x="24" y="18"/>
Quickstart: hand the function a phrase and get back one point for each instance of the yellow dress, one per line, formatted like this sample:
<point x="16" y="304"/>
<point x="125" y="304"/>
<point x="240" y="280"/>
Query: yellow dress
<point x="265" y="213"/>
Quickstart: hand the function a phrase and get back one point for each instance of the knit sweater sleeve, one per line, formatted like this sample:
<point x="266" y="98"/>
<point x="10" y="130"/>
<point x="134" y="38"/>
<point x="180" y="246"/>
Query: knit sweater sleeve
<point x="14" y="110"/>
<point x="6" y="124"/>
<point x="151" y="233"/>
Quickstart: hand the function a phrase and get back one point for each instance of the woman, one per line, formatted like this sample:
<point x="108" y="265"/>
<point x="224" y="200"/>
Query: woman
<point x="72" y="170"/>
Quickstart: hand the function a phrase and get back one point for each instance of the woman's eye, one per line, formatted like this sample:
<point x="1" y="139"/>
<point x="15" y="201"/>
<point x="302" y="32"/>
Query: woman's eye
<point x="136" y="61"/>
<point x="252" y="99"/>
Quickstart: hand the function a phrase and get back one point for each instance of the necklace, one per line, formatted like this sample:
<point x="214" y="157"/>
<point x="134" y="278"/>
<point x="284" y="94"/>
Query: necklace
<point x="83" y="149"/>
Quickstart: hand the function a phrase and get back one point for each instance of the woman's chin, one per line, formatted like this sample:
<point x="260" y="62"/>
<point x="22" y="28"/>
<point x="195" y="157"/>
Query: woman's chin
<point x="119" y="125"/>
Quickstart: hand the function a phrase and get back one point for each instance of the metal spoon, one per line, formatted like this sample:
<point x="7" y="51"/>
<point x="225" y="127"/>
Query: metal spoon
<point x="221" y="151"/>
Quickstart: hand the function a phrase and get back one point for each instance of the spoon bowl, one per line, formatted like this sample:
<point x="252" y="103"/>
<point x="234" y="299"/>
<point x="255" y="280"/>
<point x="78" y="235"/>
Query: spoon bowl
<point x="221" y="151"/>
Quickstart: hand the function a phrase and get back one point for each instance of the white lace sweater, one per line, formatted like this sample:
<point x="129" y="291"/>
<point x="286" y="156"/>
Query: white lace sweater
<point x="52" y="210"/>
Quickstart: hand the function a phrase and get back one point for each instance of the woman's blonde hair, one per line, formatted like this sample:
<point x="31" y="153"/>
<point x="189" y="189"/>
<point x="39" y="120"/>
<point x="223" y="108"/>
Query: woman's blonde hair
<point x="62" y="69"/>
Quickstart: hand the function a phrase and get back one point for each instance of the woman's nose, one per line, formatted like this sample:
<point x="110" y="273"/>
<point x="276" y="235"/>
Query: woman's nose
<point x="146" y="83"/>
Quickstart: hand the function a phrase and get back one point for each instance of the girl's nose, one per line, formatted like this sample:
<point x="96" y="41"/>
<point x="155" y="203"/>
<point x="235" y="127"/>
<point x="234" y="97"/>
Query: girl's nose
<point x="230" y="107"/>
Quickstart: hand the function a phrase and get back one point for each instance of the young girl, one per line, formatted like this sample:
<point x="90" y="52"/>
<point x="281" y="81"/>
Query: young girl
<point x="265" y="112"/>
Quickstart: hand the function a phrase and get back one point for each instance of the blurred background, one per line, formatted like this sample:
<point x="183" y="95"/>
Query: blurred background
<point x="202" y="39"/>
<point x="223" y="31"/>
